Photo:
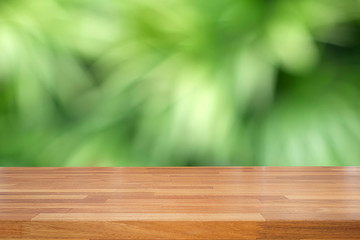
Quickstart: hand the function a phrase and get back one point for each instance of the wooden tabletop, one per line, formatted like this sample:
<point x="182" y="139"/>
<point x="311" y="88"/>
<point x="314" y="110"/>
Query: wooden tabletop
<point x="180" y="203"/>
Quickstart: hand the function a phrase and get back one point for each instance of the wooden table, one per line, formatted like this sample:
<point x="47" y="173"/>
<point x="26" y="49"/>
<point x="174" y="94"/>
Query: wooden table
<point x="180" y="203"/>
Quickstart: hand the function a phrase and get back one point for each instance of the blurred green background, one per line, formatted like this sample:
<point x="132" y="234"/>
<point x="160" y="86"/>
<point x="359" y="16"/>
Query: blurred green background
<point x="179" y="82"/>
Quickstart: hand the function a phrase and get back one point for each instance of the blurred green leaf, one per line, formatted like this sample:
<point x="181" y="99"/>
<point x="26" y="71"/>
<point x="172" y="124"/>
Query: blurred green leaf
<point x="179" y="82"/>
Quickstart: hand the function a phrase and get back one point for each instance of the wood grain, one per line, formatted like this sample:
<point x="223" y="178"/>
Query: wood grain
<point x="299" y="203"/>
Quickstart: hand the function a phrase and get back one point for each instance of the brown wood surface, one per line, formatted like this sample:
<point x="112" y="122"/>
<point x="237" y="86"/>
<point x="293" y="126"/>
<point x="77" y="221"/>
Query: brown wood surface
<point x="299" y="203"/>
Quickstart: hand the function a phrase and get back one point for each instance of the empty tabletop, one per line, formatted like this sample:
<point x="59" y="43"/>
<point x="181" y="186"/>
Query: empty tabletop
<point x="180" y="203"/>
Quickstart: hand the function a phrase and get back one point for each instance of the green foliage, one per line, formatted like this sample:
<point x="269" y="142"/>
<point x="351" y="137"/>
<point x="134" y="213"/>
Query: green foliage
<point x="179" y="82"/>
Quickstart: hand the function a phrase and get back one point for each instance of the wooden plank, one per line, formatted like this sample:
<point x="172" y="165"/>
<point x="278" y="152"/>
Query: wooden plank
<point x="313" y="203"/>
